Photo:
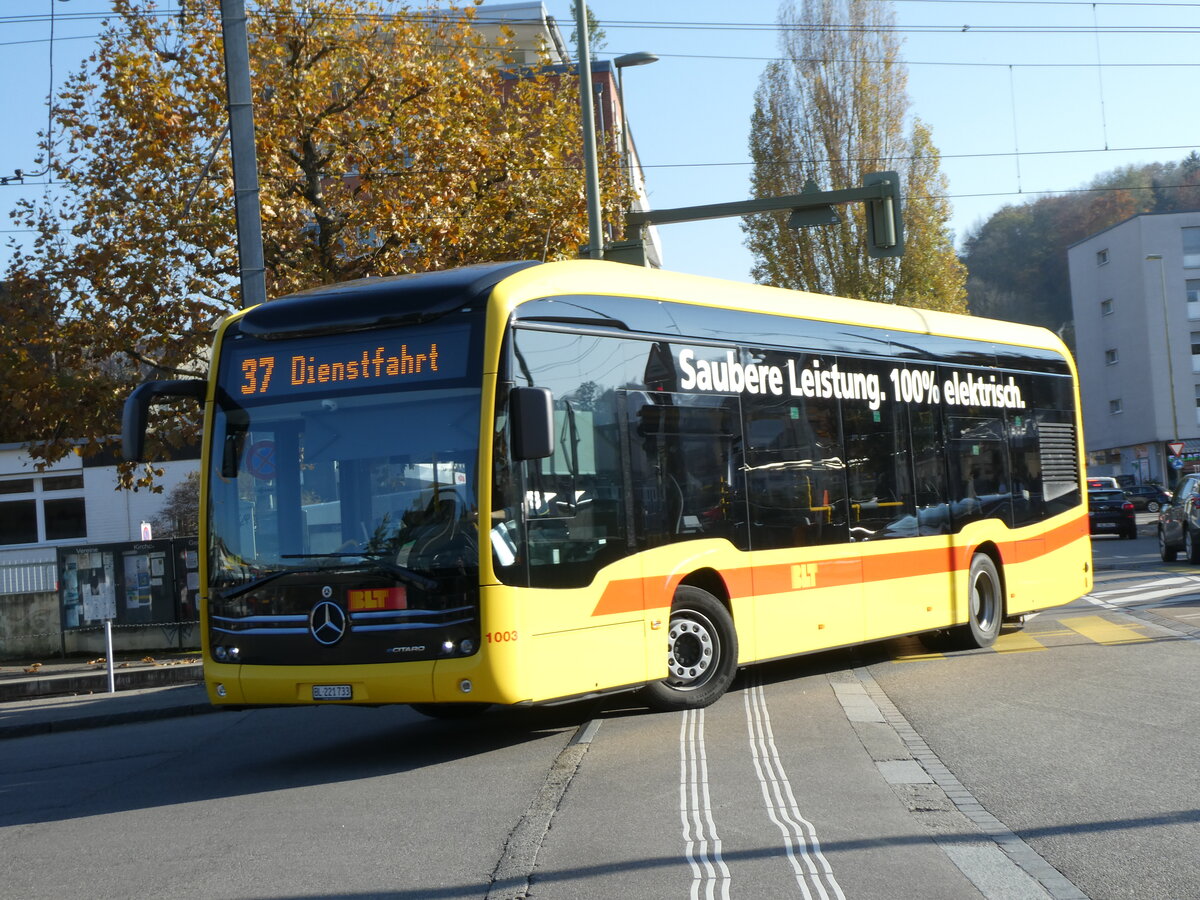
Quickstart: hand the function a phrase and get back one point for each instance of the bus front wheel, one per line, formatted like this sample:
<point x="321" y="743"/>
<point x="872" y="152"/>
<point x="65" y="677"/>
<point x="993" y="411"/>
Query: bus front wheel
<point x="702" y="653"/>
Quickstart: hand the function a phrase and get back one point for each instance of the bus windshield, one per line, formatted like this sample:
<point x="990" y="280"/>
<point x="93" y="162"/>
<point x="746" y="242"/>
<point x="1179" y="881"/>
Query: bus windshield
<point x="342" y="480"/>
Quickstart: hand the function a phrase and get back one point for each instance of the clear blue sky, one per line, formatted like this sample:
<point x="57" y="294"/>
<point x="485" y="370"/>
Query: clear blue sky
<point x="1023" y="98"/>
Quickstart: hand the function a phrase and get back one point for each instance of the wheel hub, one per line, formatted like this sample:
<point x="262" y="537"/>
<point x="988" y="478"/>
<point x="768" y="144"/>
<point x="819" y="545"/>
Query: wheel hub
<point x="690" y="651"/>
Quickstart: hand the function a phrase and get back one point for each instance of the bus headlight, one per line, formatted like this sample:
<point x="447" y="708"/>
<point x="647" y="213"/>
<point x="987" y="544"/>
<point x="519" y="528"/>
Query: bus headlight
<point x="467" y="647"/>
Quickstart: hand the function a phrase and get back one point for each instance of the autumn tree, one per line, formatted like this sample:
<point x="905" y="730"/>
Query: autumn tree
<point x="179" y="516"/>
<point x="1018" y="256"/>
<point x="832" y="109"/>
<point x="387" y="144"/>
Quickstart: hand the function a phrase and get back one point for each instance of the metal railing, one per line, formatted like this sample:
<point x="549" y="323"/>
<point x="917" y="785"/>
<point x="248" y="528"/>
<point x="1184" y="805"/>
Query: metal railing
<point x="28" y="577"/>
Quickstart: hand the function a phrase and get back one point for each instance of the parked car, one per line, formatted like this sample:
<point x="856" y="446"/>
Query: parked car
<point x="1148" y="496"/>
<point x="1179" y="522"/>
<point x="1111" y="512"/>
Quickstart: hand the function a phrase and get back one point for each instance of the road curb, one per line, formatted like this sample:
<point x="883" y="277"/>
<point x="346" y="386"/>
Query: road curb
<point x="55" y="725"/>
<point x="96" y="682"/>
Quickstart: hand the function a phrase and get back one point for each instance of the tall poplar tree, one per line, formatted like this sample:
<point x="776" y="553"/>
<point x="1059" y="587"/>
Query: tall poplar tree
<point x="831" y="109"/>
<point x="388" y="142"/>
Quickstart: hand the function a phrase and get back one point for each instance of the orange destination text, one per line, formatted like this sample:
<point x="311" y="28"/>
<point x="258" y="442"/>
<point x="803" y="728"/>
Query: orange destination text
<point x="376" y="364"/>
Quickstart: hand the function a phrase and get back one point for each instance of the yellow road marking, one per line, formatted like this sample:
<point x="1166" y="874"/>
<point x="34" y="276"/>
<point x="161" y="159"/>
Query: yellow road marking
<point x="914" y="657"/>
<point x="1095" y="628"/>
<point x="1017" y="642"/>
<point x="1102" y="631"/>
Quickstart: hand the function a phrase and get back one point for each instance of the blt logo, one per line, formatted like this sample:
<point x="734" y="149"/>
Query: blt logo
<point x="804" y="576"/>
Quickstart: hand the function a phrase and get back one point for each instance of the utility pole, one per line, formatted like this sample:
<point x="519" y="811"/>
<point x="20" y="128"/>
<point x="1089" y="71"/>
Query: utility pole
<point x="251" y="266"/>
<point x="595" y="249"/>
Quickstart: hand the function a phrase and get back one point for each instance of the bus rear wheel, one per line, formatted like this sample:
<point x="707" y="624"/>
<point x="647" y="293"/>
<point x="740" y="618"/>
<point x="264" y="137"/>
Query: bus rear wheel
<point x="986" y="597"/>
<point x="702" y="652"/>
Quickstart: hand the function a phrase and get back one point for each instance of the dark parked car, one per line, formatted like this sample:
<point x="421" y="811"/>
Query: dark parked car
<point x="1179" y="522"/>
<point x="1111" y="512"/>
<point x="1148" y="496"/>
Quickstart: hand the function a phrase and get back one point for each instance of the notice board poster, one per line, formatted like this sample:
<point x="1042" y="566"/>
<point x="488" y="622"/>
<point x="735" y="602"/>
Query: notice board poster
<point x="88" y="586"/>
<point x="131" y="583"/>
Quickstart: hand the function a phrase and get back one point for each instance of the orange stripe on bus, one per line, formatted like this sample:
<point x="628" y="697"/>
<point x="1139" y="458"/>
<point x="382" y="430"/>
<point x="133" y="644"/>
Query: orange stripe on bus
<point x="628" y="595"/>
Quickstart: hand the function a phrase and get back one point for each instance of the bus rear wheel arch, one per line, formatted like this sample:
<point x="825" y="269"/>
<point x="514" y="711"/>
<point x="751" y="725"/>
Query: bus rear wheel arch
<point x="985" y="611"/>
<point x="702" y="653"/>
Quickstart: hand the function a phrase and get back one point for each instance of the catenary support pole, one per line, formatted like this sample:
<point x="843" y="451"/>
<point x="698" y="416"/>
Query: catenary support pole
<point x="241" y="142"/>
<point x="595" y="249"/>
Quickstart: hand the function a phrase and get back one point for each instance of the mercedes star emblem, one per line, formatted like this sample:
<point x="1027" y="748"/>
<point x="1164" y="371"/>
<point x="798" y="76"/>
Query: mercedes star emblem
<point x="327" y="622"/>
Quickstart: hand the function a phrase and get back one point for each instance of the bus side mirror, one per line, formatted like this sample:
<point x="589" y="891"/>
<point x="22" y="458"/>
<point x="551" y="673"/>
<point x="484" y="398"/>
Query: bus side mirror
<point x="137" y="411"/>
<point x="531" y="416"/>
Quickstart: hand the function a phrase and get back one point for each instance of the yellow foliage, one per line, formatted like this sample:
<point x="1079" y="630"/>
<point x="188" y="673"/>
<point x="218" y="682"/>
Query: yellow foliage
<point x="386" y="144"/>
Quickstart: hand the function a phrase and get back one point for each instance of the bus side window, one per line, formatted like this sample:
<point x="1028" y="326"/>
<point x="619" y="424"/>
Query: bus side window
<point x="566" y="513"/>
<point x="684" y="469"/>
<point x="979" y="476"/>
<point x="796" y="472"/>
<point x="929" y="471"/>
<point x="1024" y="452"/>
<point x="880" y="469"/>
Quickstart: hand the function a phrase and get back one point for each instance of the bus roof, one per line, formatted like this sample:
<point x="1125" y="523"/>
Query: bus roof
<point x="582" y="277"/>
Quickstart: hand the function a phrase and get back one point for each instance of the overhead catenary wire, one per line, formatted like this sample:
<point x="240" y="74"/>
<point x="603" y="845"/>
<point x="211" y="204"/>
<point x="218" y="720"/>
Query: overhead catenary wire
<point x="636" y="26"/>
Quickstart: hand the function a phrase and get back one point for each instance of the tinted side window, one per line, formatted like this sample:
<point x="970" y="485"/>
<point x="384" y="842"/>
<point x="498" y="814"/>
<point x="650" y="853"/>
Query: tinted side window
<point x="796" y="468"/>
<point x="685" y="459"/>
<point x="879" y="467"/>
<point x="573" y="503"/>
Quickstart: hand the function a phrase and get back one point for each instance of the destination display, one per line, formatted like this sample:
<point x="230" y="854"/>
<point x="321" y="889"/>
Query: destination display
<point x="365" y="359"/>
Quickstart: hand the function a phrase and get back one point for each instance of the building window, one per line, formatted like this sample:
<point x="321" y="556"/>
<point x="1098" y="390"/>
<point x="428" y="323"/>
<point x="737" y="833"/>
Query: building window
<point x="66" y="518"/>
<point x="1191" y="247"/>
<point x="1110" y="356"/>
<point x="41" y="509"/>
<point x="1102" y="257"/>
<point x="1196" y="351"/>
<point x="18" y="522"/>
<point x="62" y="483"/>
<point x="1193" y="298"/>
<point x="1198" y="404"/>
<point x="1114" y="407"/>
<point x="1106" y="307"/>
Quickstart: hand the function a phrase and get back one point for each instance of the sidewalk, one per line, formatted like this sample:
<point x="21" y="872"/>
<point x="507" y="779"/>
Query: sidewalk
<point x="58" y="695"/>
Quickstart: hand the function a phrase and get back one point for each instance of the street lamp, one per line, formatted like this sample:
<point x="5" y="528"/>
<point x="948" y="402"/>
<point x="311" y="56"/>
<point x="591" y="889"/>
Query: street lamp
<point x="629" y="60"/>
<point x="641" y="58"/>
<point x="1162" y="284"/>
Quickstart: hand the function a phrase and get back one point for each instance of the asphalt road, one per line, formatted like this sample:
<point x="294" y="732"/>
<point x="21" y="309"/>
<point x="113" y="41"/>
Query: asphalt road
<point x="1058" y="764"/>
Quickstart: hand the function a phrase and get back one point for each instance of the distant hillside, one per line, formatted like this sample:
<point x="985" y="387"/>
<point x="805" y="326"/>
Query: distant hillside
<point x="1017" y="260"/>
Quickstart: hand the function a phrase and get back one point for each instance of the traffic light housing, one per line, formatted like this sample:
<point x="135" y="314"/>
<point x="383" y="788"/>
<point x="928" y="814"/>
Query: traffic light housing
<point x="885" y="224"/>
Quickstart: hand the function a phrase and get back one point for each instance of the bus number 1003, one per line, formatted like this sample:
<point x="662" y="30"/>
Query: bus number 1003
<point x="499" y="637"/>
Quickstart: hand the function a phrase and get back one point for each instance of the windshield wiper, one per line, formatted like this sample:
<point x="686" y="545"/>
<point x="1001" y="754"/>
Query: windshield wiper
<point x="249" y="586"/>
<point x="377" y="563"/>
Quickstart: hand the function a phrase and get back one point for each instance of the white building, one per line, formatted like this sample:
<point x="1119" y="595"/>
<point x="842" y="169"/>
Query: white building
<point x="74" y="501"/>
<point x="1135" y="290"/>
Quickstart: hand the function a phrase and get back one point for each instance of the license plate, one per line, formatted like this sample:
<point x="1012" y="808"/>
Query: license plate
<point x="1106" y="524"/>
<point x="332" y="692"/>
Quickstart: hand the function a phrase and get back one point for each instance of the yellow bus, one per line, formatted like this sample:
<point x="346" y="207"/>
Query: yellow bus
<point x="528" y="483"/>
